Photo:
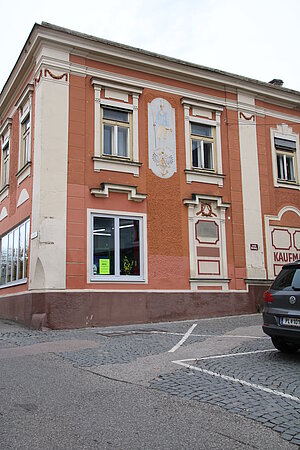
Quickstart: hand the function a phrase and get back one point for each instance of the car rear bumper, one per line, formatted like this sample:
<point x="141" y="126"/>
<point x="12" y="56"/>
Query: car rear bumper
<point x="287" y="333"/>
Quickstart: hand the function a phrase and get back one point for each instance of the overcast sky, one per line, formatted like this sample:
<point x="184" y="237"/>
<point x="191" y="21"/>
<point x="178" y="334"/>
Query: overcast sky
<point x="258" y="38"/>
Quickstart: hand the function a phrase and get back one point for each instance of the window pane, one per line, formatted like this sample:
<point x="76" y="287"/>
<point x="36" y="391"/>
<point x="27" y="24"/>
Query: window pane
<point x="103" y="246"/>
<point x="123" y="141"/>
<point x="129" y="247"/>
<point x="208" y="155"/>
<point x="290" y="168"/>
<point x="201" y="130"/>
<point x="15" y="255"/>
<point x="26" y="249"/>
<point x="21" y="251"/>
<point x="115" y="114"/>
<point x="280" y="168"/>
<point x="4" y="242"/>
<point x="195" y="153"/>
<point x="107" y="139"/>
<point x="9" y="257"/>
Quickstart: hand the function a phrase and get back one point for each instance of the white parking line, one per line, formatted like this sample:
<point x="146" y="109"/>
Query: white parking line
<point x="237" y="380"/>
<point x="228" y="355"/>
<point x="211" y="335"/>
<point x="187" y="334"/>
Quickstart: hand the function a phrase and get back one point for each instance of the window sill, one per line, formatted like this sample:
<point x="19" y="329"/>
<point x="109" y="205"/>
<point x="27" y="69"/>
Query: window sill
<point x="287" y="184"/>
<point x="116" y="164"/>
<point x="121" y="279"/>
<point x="4" y="192"/>
<point x="24" y="172"/>
<point x="201" y="176"/>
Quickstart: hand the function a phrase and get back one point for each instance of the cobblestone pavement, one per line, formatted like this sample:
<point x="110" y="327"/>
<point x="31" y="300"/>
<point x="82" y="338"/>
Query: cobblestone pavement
<point x="263" y="386"/>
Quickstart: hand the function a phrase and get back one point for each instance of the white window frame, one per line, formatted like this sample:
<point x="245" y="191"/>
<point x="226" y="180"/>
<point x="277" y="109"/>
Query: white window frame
<point x="113" y="93"/>
<point x="285" y="132"/>
<point x="115" y="124"/>
<point x="201" y="140"/>
<point x="143" y="277"/>
<point x="201" y="113"/>
<point x="24" y="105"/>
<point x="5" y="161"/>
<point x="11" y="235"/>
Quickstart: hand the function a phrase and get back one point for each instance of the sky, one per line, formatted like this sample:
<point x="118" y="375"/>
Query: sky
<point x="258" y="39"/>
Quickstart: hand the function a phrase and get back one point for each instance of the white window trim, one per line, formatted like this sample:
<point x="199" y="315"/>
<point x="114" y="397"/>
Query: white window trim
<point x="196" y="174"/>
<point x="5" y="132"/>
<point x="143" y="278"/>
<point x="24" y="104"/>
<point x="104" y="162"/>
<point x="196" y="279"/>
<point x="285" y="132"/>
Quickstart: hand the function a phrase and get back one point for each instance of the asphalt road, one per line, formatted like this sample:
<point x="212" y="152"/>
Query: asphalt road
<point x="207" y="384"/>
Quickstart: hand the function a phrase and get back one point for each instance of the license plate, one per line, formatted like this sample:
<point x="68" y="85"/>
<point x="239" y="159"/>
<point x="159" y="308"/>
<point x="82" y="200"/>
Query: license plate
<point x="291" y="321"/>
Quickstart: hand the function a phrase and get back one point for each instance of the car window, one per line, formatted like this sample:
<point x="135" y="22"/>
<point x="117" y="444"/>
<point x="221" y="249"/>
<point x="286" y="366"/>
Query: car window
<point x="288" y="278"/>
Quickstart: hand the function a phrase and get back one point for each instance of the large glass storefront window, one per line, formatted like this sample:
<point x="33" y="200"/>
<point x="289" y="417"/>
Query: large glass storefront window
<point x="14" y="255"/>
<point x="117" y="251"/>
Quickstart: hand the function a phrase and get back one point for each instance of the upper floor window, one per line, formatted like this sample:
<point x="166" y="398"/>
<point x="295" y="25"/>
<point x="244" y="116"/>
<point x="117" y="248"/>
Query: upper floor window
<point x="5" y="156"/>
<point x="5" y="165"/>
<point x="116" y="143"/>
<point x="285" y="156"/>
<point x="202" y="137"/>
<point x="116" y="125"/>
<point x="25" y="141"/>
<point x="203" y="142"/>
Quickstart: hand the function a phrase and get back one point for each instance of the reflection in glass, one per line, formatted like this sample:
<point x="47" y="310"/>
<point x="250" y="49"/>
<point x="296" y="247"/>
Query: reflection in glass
<point x="15" y="255"/>
<point x="129" y="247"/>
<point x="122" y="141"/>
<point x="4" y="242"/>
<point x="21" y="251"/>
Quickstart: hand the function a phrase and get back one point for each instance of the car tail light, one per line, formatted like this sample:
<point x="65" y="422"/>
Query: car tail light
<point x="268" y="297"/>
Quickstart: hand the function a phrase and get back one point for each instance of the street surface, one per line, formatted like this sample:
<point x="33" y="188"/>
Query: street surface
<point x="203" y="384"/>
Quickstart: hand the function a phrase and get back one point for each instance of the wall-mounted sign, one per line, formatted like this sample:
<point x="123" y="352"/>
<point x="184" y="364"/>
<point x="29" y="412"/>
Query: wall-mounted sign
<point x="161" y="138"/>
<point x="254" y="247"/>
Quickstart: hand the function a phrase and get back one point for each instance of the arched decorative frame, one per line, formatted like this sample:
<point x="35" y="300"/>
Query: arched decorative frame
<point x="268" y="236"/>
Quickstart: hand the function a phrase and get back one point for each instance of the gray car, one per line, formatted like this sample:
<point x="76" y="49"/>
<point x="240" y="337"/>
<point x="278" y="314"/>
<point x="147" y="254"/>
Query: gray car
<point x="281" y="315"/>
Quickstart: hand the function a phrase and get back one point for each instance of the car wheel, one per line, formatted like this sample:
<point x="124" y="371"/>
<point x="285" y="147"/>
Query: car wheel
<point x="283" y="346"/>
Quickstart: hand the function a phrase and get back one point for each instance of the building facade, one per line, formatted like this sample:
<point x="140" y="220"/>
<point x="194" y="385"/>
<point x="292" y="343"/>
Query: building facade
<point x="136" y="187"/>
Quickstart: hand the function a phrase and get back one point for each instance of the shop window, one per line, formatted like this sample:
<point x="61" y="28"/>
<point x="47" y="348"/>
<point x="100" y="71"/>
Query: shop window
<point x="117" y="250"/>
<point x="14" y="255"/>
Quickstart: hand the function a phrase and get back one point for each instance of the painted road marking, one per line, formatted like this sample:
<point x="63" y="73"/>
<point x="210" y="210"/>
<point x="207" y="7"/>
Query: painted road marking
<point x="210" y="335"/>
<point x="228" y="355"/>
<point x="187" y="334"/>
<point x="233" y="379"/>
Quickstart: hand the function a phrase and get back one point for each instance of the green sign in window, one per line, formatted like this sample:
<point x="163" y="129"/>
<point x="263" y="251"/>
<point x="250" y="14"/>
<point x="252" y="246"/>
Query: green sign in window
<point x="104" y="266"/>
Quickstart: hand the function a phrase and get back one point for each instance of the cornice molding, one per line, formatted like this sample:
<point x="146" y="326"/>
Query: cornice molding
<point x="106" y="188"/>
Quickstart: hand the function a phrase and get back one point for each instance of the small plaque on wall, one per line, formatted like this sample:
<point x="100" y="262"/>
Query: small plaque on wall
<point x="254" y="247"/>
